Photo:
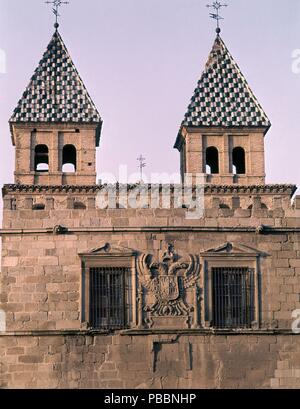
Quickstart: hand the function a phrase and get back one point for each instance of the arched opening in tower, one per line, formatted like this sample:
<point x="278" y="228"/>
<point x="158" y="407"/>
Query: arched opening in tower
<point x="41" y="158"/>
<point x="69" y="163"/>
<point x="212" y="160"/>
<point x="238" y="161"/>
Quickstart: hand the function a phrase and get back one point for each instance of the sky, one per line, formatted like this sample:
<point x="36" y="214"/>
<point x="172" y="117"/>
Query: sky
<point x="140" y="61"/>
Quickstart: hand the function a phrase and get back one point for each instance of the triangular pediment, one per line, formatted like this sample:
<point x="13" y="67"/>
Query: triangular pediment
<point x="110" y="249"/>
<point x="230" y="248"/>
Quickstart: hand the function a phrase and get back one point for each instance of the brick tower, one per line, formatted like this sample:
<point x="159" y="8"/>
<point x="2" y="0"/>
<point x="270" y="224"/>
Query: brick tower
<point x="56" y="126"/>
<point x="222" y="134"/>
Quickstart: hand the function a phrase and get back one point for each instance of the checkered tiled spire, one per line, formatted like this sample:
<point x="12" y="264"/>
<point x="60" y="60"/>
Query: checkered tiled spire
<point x="56" y="92"/>
<point x="223" y="96"/>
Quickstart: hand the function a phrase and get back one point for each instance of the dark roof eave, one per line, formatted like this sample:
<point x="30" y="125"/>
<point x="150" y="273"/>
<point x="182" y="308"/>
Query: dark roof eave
<point x="179" y="139"/>
<point x="98" y="125"/>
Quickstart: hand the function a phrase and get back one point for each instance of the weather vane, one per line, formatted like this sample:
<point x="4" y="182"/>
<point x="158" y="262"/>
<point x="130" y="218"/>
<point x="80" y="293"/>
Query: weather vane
<point x="56" y="4"/>
<point x="142" y="165"/>
<point x="217" y="6"/>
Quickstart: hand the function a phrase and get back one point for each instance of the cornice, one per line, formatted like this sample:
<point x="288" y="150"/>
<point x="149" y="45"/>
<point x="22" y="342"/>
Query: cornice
<point x="151" y="229"/>
<point x="149" y="332"/>
<point x="284" y="189"/>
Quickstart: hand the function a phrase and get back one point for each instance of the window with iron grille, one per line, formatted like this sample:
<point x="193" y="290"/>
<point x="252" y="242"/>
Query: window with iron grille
<point x="233" y="297"/>
<point x="110" y="297"/>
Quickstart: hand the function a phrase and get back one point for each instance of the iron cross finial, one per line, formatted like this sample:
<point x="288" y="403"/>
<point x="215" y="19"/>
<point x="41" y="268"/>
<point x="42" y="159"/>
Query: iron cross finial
<point x="217" y="5"/>
<point x="142" y="165"/>
<point x="56" y="4"/>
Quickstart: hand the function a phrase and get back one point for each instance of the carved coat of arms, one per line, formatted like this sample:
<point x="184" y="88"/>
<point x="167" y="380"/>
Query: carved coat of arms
<point x="168" y="280"/>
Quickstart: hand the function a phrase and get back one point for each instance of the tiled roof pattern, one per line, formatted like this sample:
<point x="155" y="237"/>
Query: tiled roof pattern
<point x="223" y="96"/>
<point x="56" y="92"/>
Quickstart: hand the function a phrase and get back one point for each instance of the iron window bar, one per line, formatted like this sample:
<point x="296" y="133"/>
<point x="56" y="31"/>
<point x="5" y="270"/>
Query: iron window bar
<point x="233" y="297"/>
<point x="109" y="297"/>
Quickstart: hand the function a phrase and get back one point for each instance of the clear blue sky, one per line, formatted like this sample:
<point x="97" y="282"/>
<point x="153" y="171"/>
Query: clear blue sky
<point x="140" y="61"/>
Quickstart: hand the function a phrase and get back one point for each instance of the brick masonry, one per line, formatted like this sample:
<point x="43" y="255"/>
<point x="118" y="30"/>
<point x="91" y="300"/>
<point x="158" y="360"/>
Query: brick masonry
<point x="41" y="291"/>
<point x="41" y="271"/>
<point x="150" y="361"/>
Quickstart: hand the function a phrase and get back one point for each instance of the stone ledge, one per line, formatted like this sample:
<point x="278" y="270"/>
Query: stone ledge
<point x="266" y="230"/>
<point x="207" y="332"/>
<point x="143" y="332"/>
<point x="53" y="333"/>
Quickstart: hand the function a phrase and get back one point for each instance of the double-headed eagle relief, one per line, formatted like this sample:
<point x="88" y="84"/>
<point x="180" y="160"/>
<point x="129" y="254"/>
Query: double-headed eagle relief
<point x="167" y="283"/>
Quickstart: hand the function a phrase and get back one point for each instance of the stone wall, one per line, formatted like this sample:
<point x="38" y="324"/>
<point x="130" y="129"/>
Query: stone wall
<point x="28" y="207"/>
<point x="150" y="361"/>
<point x="41" y="290"/>
<point x="41" y="273"/>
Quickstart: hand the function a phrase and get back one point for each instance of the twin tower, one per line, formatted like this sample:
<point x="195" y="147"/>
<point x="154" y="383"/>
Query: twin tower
<point x="56" y="127"/>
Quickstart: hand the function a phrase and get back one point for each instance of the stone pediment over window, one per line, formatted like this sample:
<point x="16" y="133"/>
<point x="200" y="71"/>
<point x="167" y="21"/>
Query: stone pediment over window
<point x="109" y="297"/>
<point x="234" y="250"/>
<point x="232" y="269"/>
<point x="109" y="250"/>
<point x="109" y="255"/>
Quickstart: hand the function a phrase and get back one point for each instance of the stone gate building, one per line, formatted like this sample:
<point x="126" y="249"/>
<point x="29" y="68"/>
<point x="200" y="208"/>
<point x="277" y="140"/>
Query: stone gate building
<point x="147" y="298"/>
